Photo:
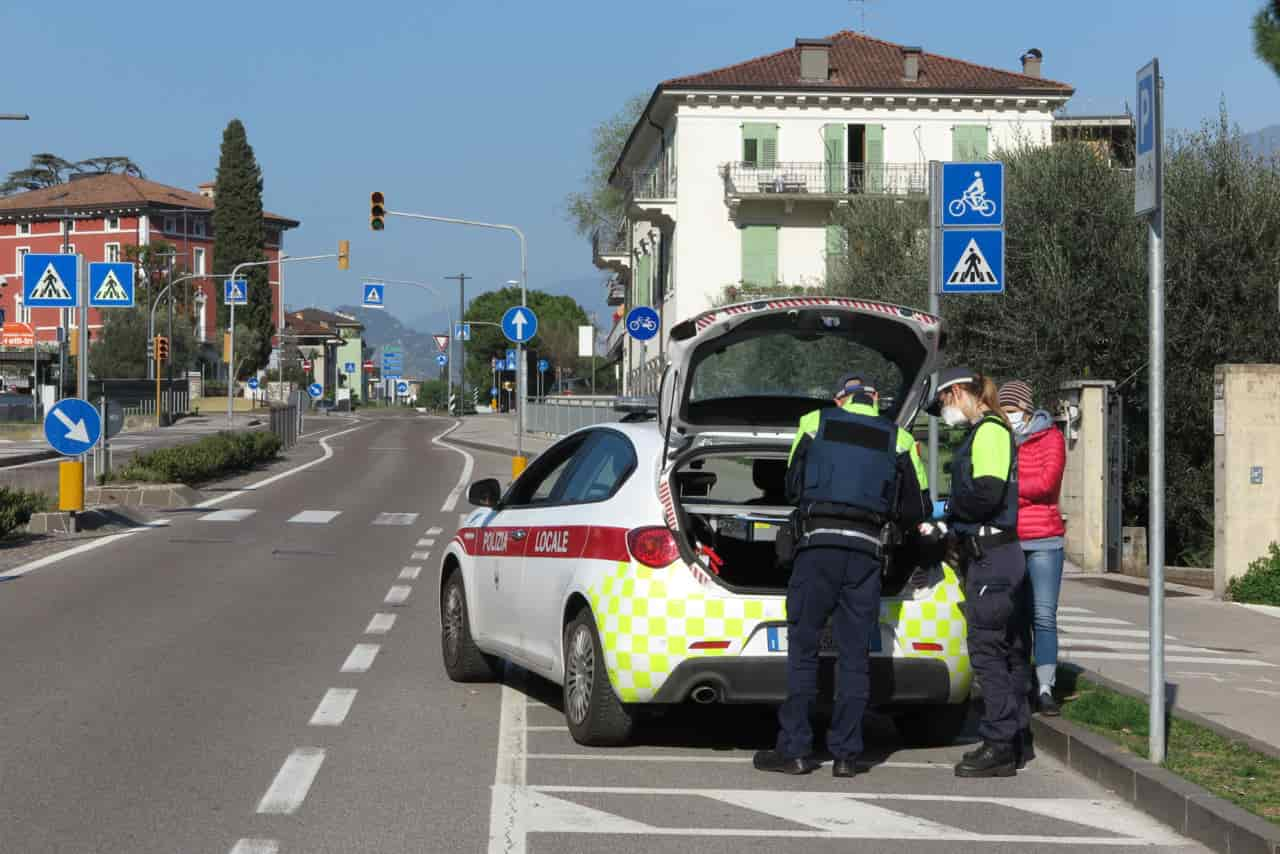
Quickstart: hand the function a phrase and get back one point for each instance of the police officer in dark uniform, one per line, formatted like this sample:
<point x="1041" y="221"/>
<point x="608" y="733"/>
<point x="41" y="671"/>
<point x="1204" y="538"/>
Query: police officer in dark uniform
<point x="983" y="511"/>
<point x="854" y="486"/>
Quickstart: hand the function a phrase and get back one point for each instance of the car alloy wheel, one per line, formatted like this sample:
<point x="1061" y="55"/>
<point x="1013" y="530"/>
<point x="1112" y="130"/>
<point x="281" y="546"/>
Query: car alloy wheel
<point x="580" y="675"/>
<point x="453" y="617"/>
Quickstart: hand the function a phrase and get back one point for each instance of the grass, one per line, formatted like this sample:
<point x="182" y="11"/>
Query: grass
<point x="1228" y="769"/>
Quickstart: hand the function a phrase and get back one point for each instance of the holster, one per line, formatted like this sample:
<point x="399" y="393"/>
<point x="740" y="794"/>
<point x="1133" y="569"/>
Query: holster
<point x="784" y="546"/>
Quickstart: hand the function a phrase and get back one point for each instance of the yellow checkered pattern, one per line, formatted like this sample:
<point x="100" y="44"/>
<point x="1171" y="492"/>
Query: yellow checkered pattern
<point x="934" y="620"/>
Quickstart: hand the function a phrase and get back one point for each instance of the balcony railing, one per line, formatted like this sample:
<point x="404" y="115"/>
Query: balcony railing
<point x="609" y="241"/>
<point x="825" y="179"/>
<point x="653" y="184"/>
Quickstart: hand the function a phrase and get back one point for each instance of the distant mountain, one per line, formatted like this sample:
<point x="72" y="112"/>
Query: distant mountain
<point x="382" y="329"/>
<point x="1265" y="141"/>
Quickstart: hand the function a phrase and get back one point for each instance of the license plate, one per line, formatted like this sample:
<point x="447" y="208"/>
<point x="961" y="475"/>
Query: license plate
<point x="777" y="637"/>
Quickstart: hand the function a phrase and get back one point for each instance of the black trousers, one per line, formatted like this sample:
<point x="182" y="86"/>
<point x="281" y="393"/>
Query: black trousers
<point x="997" y="607"/>
<point x="844" y="585"/>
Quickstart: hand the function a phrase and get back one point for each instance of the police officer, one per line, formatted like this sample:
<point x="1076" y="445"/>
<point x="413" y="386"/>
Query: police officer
<point x="983" y="511"/>
<point x="853" y="476"/>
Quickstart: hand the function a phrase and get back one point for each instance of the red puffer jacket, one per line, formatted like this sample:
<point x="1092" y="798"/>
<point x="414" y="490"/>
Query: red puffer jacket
<point x="1041" y="458"/>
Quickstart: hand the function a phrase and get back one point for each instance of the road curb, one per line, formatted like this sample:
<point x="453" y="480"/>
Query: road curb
<point x="481" y="446"/>
<point x="33" y="457"/>
<point x="1158" y="792"/>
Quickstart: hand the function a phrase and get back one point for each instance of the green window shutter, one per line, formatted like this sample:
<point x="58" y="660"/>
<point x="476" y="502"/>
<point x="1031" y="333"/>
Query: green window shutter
<point x="760" y="254"/>
<point x="765" y="145"/>
<point x="874" y="135"/>
<point x="833" y="143"/>
<point x="969" y="142"/>
<point x="835" y="248"/>
<point x="644" y="281"/>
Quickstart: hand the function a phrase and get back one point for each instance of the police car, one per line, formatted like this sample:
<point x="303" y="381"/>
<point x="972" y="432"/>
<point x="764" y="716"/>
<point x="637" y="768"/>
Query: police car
<point x="633" y="563"/>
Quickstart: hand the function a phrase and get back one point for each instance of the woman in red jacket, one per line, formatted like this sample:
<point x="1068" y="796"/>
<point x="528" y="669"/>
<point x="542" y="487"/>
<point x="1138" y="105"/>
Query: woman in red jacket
<point x="1042" y="455"/>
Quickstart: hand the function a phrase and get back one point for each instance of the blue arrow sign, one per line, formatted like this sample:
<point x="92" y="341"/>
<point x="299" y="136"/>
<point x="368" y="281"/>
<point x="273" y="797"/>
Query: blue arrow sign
<point x="349" y="368"/>
<point x="519" y="324"/>
<point x="235" y="292"/>
<point x="72" y="426"/>
<point x="511" y="360"/>
<point x="442" y="360"/>
<point x="111" y="284"/>
<point x="252" y="383"/>
<point x="973" y="261"/>
<point x="373" y="296"/>
<point x="462" y="331"/>
<point x="315" y="390"/>
<point x="973" y="194"/>
<point x="50" y="280"/>
<point x="642" y="323"/>
<point x="543" y="365"/>
<point x="402" y="388"/>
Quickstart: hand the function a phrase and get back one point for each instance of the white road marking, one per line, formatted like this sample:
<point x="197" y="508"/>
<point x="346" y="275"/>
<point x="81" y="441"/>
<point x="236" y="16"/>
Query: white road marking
<point x="1070" y="609"/>
<point x="380" y="624"/>
<point x="1107" y="631"/>
<point x="19" y="571"/>
<point x="431" y="532"/>
<point x="1262" y="691"/>
<point x="1172" y="659"/>
<point x="427" y="542"/>
<point x="361" y="658"/>
<point x="410" y="573"/>
<point x="420" y="556"/>
<point x="315" y="517"/>
<point x="227" y="515"/>
<point x="561" y="728"/>
<point x="256" y="846"/>
<point x="289" y="789"/>
<point x="334" y="707"/>
<point x="507" y="812"/>
<point x="1120" y="646"/>
<point x="1071" y="620"/>
<point x="398" y="594"/>
<point x="1269" y="610"/>
<point x="698" y="759"/>
<point x="254" y="487"/>
<point x="395" y="519"/>
<point x="468" y="465"/>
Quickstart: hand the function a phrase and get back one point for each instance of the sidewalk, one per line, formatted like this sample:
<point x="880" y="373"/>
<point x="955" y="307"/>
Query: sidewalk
<point x="497" y="432"/>
<point x="1222" y="660"/>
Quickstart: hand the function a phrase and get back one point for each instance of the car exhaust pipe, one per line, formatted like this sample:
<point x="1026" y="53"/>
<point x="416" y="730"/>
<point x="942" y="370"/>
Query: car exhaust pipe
<point x="705" y="694"/>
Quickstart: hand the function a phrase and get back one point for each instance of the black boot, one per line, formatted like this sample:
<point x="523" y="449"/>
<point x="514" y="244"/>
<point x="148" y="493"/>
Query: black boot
<point x="1024" y="748"/>
<point x="991" y="760"/>
<point x="772" y="760"/>
<point x="1047" y="706"/>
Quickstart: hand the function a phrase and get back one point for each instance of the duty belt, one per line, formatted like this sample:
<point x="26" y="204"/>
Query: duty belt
<point x="1000" y="538"/>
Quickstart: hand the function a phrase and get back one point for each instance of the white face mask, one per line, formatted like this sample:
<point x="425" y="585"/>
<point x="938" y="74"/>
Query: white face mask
<point x="1016" y="419"/>
<point x="954" y="416"/>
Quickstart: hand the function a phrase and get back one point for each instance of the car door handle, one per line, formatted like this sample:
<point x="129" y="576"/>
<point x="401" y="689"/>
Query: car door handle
<point x="519" y="535"/>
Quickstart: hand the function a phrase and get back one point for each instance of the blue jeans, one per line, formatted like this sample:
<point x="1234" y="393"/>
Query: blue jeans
<point x="1044" y="569"/>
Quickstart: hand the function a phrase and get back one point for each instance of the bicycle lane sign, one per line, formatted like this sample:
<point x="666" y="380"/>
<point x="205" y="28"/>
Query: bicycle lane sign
<point x="973" y="194"/>
<point x="642" y="323"/>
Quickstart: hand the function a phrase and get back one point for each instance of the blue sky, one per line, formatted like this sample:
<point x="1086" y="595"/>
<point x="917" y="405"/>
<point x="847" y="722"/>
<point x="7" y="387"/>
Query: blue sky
<point x="484" y="109"/>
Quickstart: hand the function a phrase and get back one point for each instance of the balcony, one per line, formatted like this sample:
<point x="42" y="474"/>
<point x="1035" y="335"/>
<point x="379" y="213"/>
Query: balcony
<point x="651" y="194"/>
<point x="609" y="249"/>
<point x="616" y="291"/>
<point x="792" y="182"/>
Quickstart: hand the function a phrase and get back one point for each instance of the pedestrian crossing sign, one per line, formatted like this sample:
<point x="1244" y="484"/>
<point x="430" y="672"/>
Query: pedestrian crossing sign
<point x="972" y="261"/>
<point x="111" y="285"/>
<point x="50" y="281"/>
<point x="235" y="291"/>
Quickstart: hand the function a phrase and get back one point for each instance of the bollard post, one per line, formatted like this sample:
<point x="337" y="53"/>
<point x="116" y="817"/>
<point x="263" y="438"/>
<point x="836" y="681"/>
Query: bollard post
<point x="71" y="490"/>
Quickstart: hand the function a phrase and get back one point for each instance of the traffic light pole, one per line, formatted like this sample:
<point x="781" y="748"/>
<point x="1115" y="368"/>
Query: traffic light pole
<point x="518" y="463"/>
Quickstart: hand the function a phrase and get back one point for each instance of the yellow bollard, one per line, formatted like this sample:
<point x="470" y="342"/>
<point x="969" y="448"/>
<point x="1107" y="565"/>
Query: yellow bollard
<point x="71" y="485"/>
<point x="518" y="465"/>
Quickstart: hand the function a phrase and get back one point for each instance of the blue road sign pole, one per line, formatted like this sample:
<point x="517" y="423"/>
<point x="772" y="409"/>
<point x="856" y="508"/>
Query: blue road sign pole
<point x="935" y="303"/>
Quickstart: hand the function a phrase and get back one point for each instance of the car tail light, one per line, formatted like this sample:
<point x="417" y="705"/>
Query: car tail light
<point x="926" y="647"/>
<point x="653" y="546"/>
<point x="709" y="645"/>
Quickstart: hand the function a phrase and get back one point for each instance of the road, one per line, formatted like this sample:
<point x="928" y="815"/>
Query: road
<point x="263" y="675"/>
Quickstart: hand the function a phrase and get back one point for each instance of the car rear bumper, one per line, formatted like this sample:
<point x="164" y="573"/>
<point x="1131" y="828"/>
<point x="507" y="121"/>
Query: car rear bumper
<point x="763" y="679"/>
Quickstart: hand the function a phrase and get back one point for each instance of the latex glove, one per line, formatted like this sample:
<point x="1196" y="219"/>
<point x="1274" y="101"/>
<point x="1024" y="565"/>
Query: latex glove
<point x="932" y="532"/>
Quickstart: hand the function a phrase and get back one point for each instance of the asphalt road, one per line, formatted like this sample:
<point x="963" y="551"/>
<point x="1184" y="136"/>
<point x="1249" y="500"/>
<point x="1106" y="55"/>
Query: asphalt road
<point x="248" y="679"/>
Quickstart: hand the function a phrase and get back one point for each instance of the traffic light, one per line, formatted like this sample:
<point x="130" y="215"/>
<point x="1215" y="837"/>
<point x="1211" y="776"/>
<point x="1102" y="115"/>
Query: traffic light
<point x="344" y="254"/>
<point x="162" y="348"/>
<point x="151" y="348"/>
<point x="377" y="211"/>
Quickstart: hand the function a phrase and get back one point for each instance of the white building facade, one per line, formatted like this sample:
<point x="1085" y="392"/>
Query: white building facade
<point x="732" y="176"/>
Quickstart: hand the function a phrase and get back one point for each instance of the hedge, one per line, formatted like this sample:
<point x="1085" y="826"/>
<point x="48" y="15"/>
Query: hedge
<point x="211" y="457"/>
<point x="16" y="507"/>
<point x="1260" y="585"/>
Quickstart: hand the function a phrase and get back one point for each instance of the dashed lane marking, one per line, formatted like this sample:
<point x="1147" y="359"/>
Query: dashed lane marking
<point x="433" y="531"/>
<point x="394" y="519"/>
<point x="227" y="515"/>
<point x="410" y="573"/>
<point x="315" y="517"/>
<point x="426" y="542"/>
<point x="420" y="556"/>
<point x="360" y="658"/>
<point x="256" y="846"/>
<point x="334" y="707"/>
<point x="380" y="624"/>
<point x="398" y="594"/>
<point x="289" y="789"/>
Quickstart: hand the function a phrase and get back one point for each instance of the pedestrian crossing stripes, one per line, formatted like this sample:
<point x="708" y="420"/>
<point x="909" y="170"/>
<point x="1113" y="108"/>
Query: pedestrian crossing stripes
<point x="395" y="519"/>
<point x="227" y="515"/>
<point x="321" y="517"/>
<point x="1085" y="637"/>
<point x="315" y="517"/>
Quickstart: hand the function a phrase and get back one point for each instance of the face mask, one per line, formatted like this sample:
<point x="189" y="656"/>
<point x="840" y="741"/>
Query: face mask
<point x="1016" y="419"/>
<point x="954" y="416"/>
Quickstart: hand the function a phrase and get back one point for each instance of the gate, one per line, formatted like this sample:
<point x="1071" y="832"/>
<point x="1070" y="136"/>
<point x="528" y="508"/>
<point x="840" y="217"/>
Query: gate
<point x="1115" y="480"/>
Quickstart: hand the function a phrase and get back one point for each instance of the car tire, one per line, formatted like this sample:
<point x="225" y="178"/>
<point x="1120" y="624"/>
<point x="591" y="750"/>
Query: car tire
<point x="463" y="660"/>
<point x="595" y="715"/>
<point x="932" y="726"/>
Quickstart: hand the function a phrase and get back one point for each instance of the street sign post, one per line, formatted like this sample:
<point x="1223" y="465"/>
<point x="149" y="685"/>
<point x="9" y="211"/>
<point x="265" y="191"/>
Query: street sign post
<point x="519" y="324"/>
<point x="373" y="296"/>
<point x="402" y="388"/>
<point x="315" y="390"/>
<point x="461" y="331"/>
<point x="111" y="284"/>
<point x="349" y="368"/>
<point x="973" y="194"/>
<point x="72" y="426"/>
<point x="252" y="383"/>
<point x="543" y="365"/>
<point x="973" y="261"/>
<point x="442" y="360"/>
<point x="642" y="323"/>
<point x="235" y="292"/>
<point x="50" y="281"/>
<point x="442" y="342"/>
<point x="511" y="360"/>
<point x="1148" y="180"/>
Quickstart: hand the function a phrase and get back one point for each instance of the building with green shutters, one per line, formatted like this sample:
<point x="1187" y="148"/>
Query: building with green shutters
<point x="731" y="176"/>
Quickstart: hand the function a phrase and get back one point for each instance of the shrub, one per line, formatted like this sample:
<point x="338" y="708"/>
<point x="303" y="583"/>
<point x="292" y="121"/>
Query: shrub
<point x="1260" y="585"/>
<point x="213" y="456"/>
<point x="16" y="507"/>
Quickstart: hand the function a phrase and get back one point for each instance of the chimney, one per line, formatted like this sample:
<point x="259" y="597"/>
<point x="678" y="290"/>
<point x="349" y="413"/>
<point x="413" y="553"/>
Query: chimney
<point x="1031" y="62"/>
<point x="206" y="189"/>
<point x="911" y="63"/>
<point x="815" y="59"/>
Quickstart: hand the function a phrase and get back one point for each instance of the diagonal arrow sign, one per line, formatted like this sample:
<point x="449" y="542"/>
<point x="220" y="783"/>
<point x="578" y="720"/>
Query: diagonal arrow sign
<point x="76" y="430"/>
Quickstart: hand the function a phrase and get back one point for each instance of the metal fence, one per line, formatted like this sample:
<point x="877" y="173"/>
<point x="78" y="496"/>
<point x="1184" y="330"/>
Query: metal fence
<point x="561" y="415"/>
<point x="826" y="179"/>
<point x="645" y="380"/>
<point x="658" y="182"/>
<point x="170" y="401"/>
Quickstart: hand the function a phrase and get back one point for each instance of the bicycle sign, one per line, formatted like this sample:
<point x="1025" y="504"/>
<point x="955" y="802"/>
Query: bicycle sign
<point x="642" y="323"/>
<point x="973" y="194"/>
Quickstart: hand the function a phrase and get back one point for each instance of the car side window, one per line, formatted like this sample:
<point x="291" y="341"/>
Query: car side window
<point x="542" y="483"/>
<point x="604" y="466"/>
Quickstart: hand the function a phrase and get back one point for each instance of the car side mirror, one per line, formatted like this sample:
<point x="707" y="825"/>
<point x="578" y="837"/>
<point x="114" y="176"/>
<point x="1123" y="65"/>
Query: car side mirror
<point x="485" y="493"/>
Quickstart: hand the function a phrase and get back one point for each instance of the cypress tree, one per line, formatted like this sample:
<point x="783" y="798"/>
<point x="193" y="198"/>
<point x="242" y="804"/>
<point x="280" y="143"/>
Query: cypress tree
<point x="239" y="236"/>
<point x="1266" y="34"/>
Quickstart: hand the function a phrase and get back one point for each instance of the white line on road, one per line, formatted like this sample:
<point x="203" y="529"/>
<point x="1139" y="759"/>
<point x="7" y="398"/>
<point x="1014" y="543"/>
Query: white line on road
<point x="467" y="466"/>
<point x="19" y="571"/>
<point x="1118" y="646"/>
<point x="1069" y="609"/>
<point x="1072" y="620"/>
<point x="427" y="542"/>
<point x="1172" y="659"/>
<point x="361" y="658"/>
<point x="315" y="517"/>
<point x="506" y="807"/>
<point x="398" y="594"/>
<point x="561" y="728"/>
<point x="420" y="556"/>
<point x="707" y="760"/>
<point x="227" y="516"/>
<point x="256" y="846"/>
<point x="334" y="706"/>
<point x="289" y="789"/>
<point x="380" y="624"/>
<point x="395" y="519"/>
<point x="433" y="531"/>
<point x="410" y="573"/>
<point x="1107" y="631"/>
<point x="254" y="487"/>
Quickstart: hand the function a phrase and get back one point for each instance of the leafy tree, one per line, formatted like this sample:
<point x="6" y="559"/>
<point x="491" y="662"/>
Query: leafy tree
<point x="1266" y="34"/>
<point x="599" y="205"/>
<point x="121" y="351"/>
<point x="152" y="265"/>
<point x="48" y="170"/>
<point x="239" y="237"/>
<point x="432" y="394"/>
<point x="555" y="313"/>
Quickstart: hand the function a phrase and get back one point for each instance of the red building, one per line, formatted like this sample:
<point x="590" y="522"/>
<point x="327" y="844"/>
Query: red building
<point x="105" y="215"/>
